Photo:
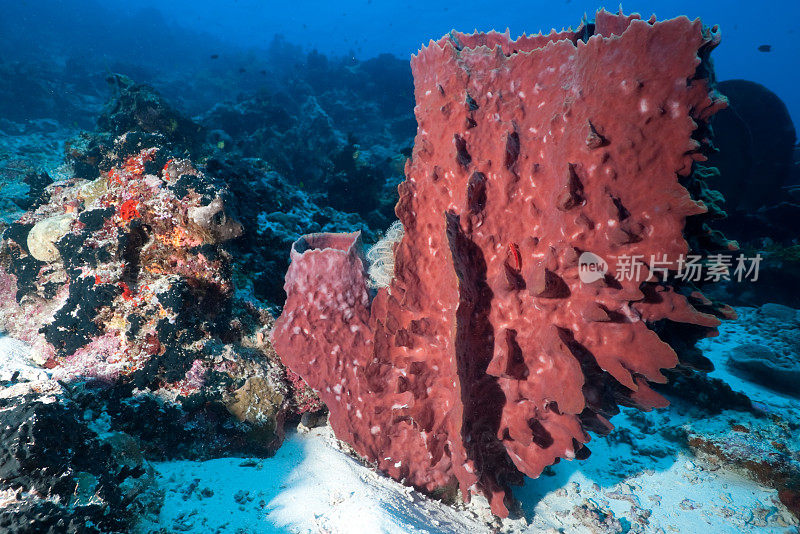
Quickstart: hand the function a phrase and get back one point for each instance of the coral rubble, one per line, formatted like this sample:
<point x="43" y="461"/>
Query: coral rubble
<point x="487" y="357"/>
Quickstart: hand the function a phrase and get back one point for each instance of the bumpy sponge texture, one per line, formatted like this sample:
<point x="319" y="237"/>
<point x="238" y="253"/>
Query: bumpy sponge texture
<point x="486" y="357"/>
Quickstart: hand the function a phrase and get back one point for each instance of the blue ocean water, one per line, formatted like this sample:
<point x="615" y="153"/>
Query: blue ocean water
<point x="182" y="33"/>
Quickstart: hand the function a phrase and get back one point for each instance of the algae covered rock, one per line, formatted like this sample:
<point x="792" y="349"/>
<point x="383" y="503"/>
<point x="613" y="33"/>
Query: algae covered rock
<point x="776" y="370"/>
<point x="258" y="403"/>
<point x="121" y="276"/>
<point x="59" y="475"/>
<point x="779" y="312"/>
<point x="45" y="234"/>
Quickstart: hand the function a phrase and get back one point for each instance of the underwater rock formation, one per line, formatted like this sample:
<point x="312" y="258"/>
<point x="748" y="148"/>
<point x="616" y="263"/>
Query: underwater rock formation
<point x="755" y="137"/>
<point x="61" y="473"/>
<point x="119" y="275"/>
<point x="487" y="357"/>
<point x="181" y="306"/>
<point x="777" y="371"/>
<point x="126" y="243"/>
<point x="756" y="165"/>
<point x="777" y="365"/>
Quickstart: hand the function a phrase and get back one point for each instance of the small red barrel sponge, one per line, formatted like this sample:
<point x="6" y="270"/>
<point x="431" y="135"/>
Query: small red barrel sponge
<point x="488" y="357"/>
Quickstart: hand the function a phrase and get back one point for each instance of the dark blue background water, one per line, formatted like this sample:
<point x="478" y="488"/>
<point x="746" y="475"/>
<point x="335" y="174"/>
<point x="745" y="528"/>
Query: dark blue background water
<point x="184" y="33"/>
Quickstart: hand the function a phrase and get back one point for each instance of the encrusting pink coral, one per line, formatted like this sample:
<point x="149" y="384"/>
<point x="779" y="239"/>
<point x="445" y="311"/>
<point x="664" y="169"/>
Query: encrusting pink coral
<point x="487" y="357"/>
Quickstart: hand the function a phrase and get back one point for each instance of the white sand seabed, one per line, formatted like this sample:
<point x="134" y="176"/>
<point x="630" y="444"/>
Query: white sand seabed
<point x="308" y="486"/>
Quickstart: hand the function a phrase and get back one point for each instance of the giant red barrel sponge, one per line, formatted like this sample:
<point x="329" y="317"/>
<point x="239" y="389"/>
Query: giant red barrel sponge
<point x="487" y="357"/>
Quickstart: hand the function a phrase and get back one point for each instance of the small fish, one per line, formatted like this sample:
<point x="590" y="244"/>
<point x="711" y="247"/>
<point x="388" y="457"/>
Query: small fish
<point x="214" y="56"/>
<point x="242" y="70"/>
<point x="765" y="48"/>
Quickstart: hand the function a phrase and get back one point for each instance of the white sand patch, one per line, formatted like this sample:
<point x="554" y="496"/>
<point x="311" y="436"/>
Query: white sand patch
<point x="308" y="486"/>
<point x="15" y="361"/>
<point x="649" y="493"/>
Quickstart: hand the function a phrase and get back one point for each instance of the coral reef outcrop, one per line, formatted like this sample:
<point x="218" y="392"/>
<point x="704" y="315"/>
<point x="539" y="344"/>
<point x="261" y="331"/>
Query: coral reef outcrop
<point x="756" y="138"/>
<point x="775" y="365"/>
<point x="62" y="473"/>
<point x="118" y="274"/>
<point x="487" y="357"/>
<point x="756" y="168"/>
<point x="360" y="114"/>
